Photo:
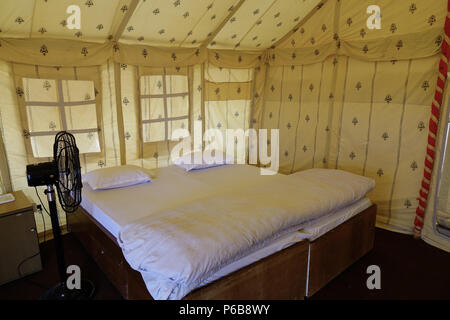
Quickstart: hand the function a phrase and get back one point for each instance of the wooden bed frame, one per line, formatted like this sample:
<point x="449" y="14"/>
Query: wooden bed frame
<point x="282" y="275"/>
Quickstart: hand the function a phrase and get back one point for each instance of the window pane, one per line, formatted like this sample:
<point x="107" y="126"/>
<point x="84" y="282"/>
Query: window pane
<point x="154" y="131"/>
<point x="42" y="90"/>
<point x="177" y="84"/>
<point x="177" y="106"/>
<point x="152" y="108"/>
<point x="42" y="146"/>
<point x="151" y="85"/>
<point x="78" y="90"/>
<point x="88" y="142"/>
<point x="43" y="118"/>
<point x="81" y="117"/>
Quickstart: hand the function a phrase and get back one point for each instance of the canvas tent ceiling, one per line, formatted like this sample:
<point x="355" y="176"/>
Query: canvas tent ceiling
<point x="253" y="24"/>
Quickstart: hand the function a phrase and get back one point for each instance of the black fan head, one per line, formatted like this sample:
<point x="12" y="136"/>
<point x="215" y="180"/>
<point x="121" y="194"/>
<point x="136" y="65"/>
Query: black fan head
<point x="66" y="156"/>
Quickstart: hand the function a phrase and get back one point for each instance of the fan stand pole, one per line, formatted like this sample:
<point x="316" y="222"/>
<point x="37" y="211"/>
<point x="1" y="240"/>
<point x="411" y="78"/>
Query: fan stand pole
<point x="60" y="291"/>
<point x="50" y="192"/>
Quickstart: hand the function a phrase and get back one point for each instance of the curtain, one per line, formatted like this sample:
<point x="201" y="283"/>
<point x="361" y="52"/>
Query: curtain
<point x="443" y="202"/>
<point x="438" y="203"/>
<point x="372" y="121"/>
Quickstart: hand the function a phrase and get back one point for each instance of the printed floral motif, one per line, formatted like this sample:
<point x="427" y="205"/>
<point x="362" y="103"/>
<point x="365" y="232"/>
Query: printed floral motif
<point x="44" y="50"/>
<point x="19" y="91"/>
<point x="380" y="172"/>
<point x="407" y="203"/>
<point x="421" y="126"/>
<point x="46" y="85"/>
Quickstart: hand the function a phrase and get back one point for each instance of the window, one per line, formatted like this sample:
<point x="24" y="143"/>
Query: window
<point x="55" y="105"/>
<point x="165" y="106"/>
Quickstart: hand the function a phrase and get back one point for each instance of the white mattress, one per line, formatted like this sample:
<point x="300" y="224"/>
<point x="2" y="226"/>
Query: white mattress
<point x="312" y="230"/>
<point x="173" y="186"/>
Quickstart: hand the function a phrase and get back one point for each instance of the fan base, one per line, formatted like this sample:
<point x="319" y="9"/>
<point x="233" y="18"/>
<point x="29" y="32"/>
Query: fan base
<point x="60" y="292"/>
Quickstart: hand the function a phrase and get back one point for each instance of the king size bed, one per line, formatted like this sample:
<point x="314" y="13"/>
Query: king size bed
<point x="227" y="232"/>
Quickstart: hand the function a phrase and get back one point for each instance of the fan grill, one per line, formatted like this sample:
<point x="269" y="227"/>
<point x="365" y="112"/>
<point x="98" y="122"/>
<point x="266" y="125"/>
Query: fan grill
<point x="66" y="155"/>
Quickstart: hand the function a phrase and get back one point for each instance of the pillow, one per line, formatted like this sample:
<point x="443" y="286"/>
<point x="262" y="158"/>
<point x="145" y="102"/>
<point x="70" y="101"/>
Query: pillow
<point x="187" y="161"/>
<point x="115" y="177"/>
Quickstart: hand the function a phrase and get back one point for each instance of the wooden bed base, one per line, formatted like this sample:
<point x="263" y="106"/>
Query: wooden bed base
<point x="282" y="275"/>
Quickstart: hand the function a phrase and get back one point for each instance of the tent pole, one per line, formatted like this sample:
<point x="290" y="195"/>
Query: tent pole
<point x="118" y="33"/>
<point x="222" y="24"/>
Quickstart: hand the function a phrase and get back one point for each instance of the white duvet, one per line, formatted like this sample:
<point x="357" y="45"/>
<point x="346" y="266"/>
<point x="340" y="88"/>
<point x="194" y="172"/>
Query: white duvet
<point x="178" y="249"/>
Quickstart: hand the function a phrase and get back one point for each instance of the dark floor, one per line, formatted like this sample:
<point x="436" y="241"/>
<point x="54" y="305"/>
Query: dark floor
<point x="410" y="269"/>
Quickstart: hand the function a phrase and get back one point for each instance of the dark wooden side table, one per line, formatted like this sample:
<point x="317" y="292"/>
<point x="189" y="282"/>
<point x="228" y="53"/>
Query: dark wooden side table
<point x="19" y="244"/>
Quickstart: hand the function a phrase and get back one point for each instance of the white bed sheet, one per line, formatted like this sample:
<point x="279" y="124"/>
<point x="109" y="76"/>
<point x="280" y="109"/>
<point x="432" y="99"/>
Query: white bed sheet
<point x="171" y="187"/>
<point x="115" y="208"/>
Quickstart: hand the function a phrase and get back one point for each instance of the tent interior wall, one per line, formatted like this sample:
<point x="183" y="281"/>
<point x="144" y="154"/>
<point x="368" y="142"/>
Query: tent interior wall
<point x="342" y="96"/>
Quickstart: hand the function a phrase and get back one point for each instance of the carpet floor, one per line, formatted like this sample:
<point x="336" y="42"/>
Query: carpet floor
<point x="410" y="269"/>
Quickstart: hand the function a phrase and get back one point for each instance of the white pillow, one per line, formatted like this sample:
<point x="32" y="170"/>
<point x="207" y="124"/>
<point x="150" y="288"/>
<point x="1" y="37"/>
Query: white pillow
<point x="188" y="161"/>
<point x="115" y="177"/>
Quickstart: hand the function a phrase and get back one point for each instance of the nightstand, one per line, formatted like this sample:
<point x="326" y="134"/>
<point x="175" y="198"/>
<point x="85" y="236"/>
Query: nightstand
<point x="18" y="239"/>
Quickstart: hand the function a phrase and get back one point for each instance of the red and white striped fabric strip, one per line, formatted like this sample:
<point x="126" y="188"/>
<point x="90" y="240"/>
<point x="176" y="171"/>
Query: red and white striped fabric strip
<point x="433" y="128"/>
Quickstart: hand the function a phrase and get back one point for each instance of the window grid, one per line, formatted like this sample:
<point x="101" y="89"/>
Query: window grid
<point x="165" y="96"/>
<point x="61" y="104"/>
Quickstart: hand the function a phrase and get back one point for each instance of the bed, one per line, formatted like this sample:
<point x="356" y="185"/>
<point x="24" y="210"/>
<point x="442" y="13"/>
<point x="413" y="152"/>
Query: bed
<point x="292" y="265"/>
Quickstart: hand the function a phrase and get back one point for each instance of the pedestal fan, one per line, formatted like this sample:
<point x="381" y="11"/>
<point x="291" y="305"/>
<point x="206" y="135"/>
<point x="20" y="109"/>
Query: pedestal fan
<point x="64" y="173"/>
